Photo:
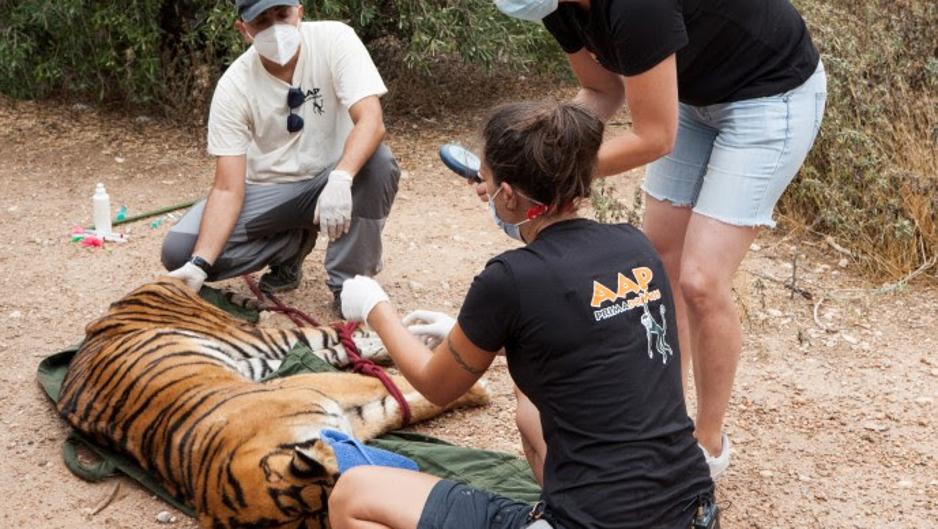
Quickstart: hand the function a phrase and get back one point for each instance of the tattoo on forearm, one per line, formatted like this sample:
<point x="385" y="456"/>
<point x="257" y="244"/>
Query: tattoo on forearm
<point x="459" y="360"/>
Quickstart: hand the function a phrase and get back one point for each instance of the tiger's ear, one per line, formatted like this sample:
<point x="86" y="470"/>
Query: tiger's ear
<point x="314" y="460"/>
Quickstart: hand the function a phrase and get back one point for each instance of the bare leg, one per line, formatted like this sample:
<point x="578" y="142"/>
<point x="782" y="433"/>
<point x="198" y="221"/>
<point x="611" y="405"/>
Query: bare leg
<point x="713" y="251"/>
<point x="379" y="498"/>
<point x="665" y="225"/>
<point x="528" y="420"/>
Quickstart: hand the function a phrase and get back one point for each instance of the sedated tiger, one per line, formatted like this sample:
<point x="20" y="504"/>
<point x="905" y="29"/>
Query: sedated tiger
<point x="172" y="381"/>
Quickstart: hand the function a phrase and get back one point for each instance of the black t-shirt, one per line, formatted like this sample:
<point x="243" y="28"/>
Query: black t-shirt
<point x="727" y="50"/>
<point x="585" y="315"/>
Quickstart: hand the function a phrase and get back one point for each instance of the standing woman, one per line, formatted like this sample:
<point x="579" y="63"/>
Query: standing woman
<point x="726" y="99"/>
<point x="583" y="312"/>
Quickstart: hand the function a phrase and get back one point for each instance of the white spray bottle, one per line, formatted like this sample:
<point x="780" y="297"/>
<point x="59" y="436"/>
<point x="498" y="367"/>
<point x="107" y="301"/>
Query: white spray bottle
<point x="102" y="211"/>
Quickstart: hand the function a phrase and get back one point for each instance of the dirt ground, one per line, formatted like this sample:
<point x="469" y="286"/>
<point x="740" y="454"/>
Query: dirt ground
<point x="833" y="418"/>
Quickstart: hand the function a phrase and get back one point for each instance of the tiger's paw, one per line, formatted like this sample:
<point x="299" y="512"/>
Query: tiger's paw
<point x="371" y="347"/>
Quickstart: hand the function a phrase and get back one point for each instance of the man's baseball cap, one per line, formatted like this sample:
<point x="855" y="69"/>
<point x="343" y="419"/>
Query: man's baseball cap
<point x="249" y="9"/>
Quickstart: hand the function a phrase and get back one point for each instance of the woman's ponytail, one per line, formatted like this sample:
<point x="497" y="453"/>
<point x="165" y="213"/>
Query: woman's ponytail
<point x="547" y="150"/>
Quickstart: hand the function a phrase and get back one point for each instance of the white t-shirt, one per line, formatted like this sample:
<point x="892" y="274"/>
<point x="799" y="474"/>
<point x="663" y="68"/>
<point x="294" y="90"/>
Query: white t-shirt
<point x="249" y="109"/>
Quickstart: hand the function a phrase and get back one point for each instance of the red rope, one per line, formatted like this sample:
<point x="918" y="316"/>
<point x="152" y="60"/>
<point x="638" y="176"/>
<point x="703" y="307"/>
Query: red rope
<point x="367" y="367"/>
<point x="344" y="330"/>
<point x="298" y="317"/>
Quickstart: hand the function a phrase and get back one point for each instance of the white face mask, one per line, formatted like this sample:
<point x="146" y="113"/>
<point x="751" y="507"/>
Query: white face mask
<point x="278" y="43"/>
<point x="513" y="230"/>
<point x="531" y="10"/>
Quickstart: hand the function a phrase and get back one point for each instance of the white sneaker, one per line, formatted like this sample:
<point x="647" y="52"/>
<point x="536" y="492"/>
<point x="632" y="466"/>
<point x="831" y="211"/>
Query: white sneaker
<point x="718" y="464"/>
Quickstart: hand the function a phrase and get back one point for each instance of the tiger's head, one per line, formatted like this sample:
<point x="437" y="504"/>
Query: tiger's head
<point x="296" y="483"/>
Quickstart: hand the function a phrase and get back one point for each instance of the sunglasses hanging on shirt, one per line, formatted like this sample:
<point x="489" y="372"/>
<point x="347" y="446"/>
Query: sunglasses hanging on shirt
<point x="295" y="99"/>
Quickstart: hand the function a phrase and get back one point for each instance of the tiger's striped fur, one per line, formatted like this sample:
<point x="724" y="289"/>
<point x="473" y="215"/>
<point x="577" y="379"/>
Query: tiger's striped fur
<point x="172" y="381"/>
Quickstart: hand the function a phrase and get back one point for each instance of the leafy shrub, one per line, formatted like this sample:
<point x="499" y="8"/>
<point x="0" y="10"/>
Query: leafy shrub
<point x="167" y="55"/>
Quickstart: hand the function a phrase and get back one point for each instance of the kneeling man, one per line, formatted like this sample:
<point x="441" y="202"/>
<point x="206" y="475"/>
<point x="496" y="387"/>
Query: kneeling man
<point x="297" y="128"/>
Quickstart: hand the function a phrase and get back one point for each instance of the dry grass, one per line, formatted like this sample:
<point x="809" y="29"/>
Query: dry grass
<point x="872" y="179"/>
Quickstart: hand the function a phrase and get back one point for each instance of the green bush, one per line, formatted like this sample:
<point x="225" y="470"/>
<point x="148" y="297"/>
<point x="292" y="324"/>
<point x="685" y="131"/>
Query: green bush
<point x="149" y="52"/>
<point x="167" y="55"/>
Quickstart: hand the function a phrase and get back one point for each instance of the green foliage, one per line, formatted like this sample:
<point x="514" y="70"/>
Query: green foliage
<point x="871" y="180"/>
<point x="109" y="50"/>
<point x="608" y="207"/>
<point x="167" y="55"/>
<point x="474" y="31"/>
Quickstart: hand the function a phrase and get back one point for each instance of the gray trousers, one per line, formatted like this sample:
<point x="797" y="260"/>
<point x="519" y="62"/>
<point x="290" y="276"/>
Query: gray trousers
<point x="275" y="217"/>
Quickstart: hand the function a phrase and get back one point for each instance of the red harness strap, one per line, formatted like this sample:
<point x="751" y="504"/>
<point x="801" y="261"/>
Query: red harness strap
<point x="367" y="367"/>
<point x="298" y="317"/>
<point x="344" y="331"/>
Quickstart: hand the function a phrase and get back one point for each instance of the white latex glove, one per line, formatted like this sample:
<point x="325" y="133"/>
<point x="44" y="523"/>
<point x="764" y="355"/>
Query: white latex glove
<point x="359" y="295"/>
<point x="334" y="208"/>
<point x="431" y="327"/>
<point x="191" y="274"/>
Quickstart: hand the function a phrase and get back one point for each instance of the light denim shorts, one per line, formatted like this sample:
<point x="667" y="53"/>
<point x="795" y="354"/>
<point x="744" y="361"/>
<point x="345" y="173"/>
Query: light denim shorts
<point x="732" y="161"/>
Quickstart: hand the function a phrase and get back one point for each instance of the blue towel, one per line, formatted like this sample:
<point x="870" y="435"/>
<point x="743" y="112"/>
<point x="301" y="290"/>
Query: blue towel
<point x="350" y="452"/>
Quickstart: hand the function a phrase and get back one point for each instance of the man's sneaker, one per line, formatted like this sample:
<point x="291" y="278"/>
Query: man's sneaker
<point x="718" y="464"/>
<point x="281" y="278"/>
<point x="286" y="276"/>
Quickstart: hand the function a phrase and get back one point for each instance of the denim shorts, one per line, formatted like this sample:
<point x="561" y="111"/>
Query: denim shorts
<point x="453" y="505"/>
<point x="732" y="161"/>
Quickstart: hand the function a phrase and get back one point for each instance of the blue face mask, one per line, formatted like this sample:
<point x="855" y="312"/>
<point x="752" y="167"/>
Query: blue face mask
<point x="511" y="230"/>
<point x="530" y="10"/>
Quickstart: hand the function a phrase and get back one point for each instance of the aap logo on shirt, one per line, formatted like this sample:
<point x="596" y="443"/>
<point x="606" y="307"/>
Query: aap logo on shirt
<point x="636" y="287"/>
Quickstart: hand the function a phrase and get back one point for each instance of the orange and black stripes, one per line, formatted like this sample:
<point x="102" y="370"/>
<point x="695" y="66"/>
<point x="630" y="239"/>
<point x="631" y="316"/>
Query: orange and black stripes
<point x="171" y="381"/>
<point x="157" y="369"/>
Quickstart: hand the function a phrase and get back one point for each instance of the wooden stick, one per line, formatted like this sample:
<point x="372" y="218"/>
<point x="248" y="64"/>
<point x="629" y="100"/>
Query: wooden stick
<point x="892" y="287"/>
<point x="797" y="290"/>
<point x="838" y="248"/>
<point x="148" y="214"/>
<point x="817" y="321"/>
<point x="794" y="269"/>
<point x="107" y="501"/>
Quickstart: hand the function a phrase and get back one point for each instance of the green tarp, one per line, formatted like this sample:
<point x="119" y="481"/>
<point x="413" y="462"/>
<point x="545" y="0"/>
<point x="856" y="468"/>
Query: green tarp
<point x="493" y="471"/>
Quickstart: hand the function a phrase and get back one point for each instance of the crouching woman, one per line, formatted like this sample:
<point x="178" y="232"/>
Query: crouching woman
<point x="585" y="316"/>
